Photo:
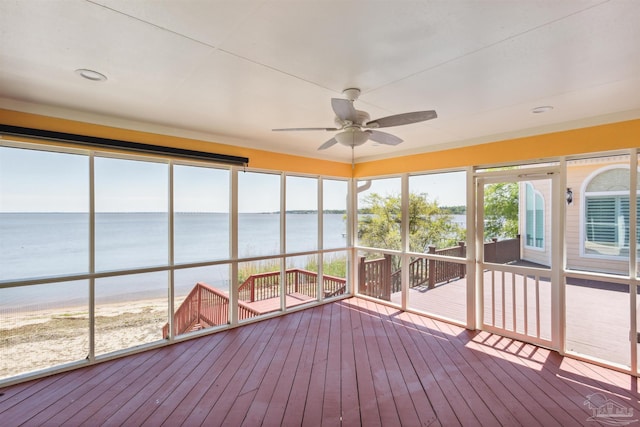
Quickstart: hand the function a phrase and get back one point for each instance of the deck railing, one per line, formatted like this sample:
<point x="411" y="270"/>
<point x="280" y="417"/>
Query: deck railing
<point x="263" y="286"/>
<point x="375" y="277"/>
<point x="206" y="306"/>
<point x="502" y="251"/>
<point x="334" y="286"/>
<point x="203" y="307"/>
<point x="445" y="271"/>
<point x="378" y="280"/>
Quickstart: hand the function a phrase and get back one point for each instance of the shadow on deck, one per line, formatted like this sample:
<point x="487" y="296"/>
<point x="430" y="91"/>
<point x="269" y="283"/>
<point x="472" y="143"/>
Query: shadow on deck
<point x="597" y="320"/>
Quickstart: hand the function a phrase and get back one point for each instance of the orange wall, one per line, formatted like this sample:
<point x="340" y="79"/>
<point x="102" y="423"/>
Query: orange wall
<point x="585" y="140"/>
<point x="592" y="139"/>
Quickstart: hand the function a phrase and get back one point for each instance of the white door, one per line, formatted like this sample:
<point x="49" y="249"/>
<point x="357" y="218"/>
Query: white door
<point x="517" y="237"/>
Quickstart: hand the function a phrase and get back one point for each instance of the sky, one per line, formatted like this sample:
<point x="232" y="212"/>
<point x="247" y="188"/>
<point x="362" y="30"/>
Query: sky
<point x="39" y="181"/>
<point x="448" y="188"/>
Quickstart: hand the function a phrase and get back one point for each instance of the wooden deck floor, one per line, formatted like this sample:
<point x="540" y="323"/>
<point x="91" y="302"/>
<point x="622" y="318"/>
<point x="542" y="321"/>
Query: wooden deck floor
<point x="351" y="362"/>
<point x="603" y="334"/>
<point x="270" y="305"/>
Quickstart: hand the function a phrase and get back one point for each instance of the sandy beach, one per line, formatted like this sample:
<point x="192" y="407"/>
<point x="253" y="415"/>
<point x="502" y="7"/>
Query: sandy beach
<point x="35" y="340"/>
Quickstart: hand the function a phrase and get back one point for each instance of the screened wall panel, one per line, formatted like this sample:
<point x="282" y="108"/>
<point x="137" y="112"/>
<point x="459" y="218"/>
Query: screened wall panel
<point x="44" y="213"/>
<point x="130" y="310"/>
<point x="201" y="213"/>
<point x="302" y="214"/>
<point x="132" y="218"/>
<point x="379" y="213"/>
<point x="43" y="326"/>
<point x="437" y="213"/>
<point x="334" y="203"/>
<point x="259" y="214"/>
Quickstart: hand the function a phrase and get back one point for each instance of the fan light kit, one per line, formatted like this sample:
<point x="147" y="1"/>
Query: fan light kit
<point x="355" y="126"/>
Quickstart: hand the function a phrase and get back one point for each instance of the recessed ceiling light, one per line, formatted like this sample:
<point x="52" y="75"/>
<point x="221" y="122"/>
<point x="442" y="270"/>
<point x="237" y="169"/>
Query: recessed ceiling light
<point x="92" y="75"/>
<point x="543" y="109"/>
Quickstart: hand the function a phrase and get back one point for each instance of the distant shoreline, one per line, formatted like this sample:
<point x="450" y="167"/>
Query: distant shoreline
<point x="294" y="212"/>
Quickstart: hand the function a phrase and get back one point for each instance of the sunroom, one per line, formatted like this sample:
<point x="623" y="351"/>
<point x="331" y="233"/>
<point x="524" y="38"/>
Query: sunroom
<point x="159" y="264"/>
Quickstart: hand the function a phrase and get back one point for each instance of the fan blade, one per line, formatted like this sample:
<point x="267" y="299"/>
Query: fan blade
<point x="402" y="119"/>
<point x="344" y="109"/>
<point x="299" y="129"/>
<point x="328" y="144"/>
<point x="383" y="137"/>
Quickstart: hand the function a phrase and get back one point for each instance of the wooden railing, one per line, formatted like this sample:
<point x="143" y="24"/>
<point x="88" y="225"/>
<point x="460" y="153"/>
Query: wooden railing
<point x="203" y="307"/>
<point x="334" y="286"/>
<point x="263" y="286"/>
<point x="206" y="306"/>
<point x="503" y="251"/>
<point x="445" y="271"/>
<point x="377" y="279"/>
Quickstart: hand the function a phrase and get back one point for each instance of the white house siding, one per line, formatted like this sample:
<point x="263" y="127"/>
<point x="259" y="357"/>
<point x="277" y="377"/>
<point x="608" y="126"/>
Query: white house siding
<point x="577" y="172"/>
<point x="537" y="255"/>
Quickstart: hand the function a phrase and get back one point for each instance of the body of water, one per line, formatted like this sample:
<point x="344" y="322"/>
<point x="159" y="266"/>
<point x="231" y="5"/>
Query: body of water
<point x="50" y="244"/>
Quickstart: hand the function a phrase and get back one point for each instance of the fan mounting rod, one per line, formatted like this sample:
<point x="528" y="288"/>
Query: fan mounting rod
<point x="352" y="94"/>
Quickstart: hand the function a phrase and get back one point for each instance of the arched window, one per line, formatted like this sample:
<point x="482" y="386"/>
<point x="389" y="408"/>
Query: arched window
<point x="534" y="219"/>
<point x="607" y="213"/>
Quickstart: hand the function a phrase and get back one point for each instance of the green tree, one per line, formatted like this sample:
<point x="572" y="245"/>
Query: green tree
<point x="501" y="210"/>
<point x="428" y="223"/>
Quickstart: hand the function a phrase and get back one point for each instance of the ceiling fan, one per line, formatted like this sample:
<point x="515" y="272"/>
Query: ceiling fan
<point x="356" y="128"/>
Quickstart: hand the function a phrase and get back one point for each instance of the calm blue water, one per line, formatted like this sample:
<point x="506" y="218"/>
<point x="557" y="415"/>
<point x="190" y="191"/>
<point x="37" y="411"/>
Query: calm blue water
<point x="50" y="244"/>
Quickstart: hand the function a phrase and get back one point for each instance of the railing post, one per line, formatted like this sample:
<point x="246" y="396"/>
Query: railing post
<point x="361" y="275"/>
<point x="462" y="254"/>
<point x="297" y="280"/>
<point x="199" y="293"/>
<point x="253" y="289"/>
<point x="490" y="254"/>
<point x="386" y="278"/>
<point x="432" y="268"/>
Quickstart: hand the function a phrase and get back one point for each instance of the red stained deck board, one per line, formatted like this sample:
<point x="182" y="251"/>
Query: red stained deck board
<point x="443" y="372"/>
<point x="279" y="398"/>
<point x="353" y="362"/>
<point x="174" y="396"/>
<point x="431" y="387"/>
<point x="350" y="411"/>
<point x="368" y="403"/>
<point x="558" y="398"/>
<point x="384" y="396"/>
<point x="421" y="405"/>
<point x="312" y="415"/>
<point x="229" y="382"/>
<point x="97" y="384"/>
<point x="248" y="375"/>
<point x="406" y="410"/>
<point x="272" y="364"/>
<point x="510" y="383"/>
<point x="155" y="393"/>
<point x="130" y="390"/>
<point x="331" y="405"/>
<point x="295" y="407"/>
<point x="504" y="407"/>
<point x="192" y="397"/>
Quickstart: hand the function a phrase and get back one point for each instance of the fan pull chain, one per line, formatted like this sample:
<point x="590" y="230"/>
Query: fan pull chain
<point x="353" y="163"/>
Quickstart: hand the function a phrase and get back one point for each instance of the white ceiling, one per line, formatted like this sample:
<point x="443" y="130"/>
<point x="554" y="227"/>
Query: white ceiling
<point x="231" y="70"/>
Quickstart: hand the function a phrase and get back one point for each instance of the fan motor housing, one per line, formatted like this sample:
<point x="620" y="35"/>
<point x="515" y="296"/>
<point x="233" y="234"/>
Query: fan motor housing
<point x="362" y="118"/>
